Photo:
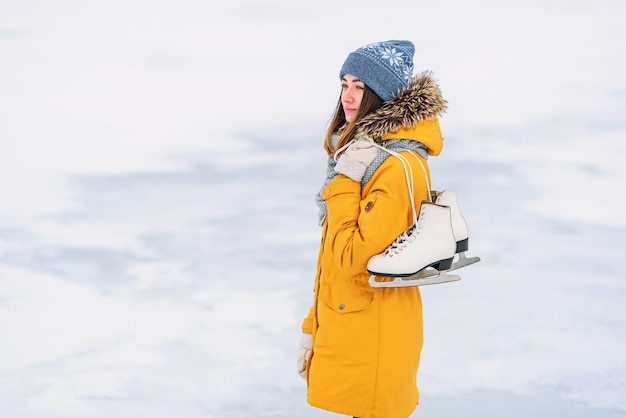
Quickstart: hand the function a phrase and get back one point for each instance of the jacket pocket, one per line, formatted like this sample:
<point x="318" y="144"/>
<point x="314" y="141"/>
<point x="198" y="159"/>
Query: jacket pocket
<point x="346" y="299"/>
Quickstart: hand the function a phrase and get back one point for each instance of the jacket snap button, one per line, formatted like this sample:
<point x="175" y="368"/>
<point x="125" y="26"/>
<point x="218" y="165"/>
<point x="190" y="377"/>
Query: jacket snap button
<point x="342" y="306"/>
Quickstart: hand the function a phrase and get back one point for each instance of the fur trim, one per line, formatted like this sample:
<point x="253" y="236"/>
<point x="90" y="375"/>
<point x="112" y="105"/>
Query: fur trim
<point x="419" y="101"/>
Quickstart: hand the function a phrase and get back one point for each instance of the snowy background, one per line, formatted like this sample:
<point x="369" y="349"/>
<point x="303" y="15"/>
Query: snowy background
<point x="158" y="232"/>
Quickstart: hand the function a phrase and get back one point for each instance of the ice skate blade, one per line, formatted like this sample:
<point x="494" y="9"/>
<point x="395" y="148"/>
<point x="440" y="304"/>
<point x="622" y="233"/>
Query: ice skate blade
<point x="415" y="280"/>
<point x="463" y="261"/>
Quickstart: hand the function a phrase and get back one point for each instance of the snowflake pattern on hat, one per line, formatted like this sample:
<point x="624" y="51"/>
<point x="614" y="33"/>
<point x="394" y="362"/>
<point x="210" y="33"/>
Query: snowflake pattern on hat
<point x="397" y="59"/>
<point x="385" y="67"/>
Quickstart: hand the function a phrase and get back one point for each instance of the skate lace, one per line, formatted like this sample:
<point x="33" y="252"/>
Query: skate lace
<point x="411" y="233"/>
<point x="342" y="149"/>
<point x="408" y="173"/>
<point x="401" y="242"/>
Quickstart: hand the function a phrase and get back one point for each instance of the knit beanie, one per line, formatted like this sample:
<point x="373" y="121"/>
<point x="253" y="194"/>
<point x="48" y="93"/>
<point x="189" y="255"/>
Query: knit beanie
<point x="385" y="67"/>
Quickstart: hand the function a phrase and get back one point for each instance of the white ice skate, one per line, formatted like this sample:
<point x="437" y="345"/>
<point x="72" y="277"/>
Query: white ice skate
<point x="430" y="242"/>
<point x="425" y="252"/>
<point x="459" y="229"/>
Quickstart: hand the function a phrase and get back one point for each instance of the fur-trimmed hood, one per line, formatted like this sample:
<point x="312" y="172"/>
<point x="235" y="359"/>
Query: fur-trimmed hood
<point x="420" y="101"/>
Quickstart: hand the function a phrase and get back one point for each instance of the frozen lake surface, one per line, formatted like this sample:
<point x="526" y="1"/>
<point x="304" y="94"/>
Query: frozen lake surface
<point x="158" y="232"/>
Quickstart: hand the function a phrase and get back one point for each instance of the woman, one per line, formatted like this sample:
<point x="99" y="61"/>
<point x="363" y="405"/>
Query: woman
<point x="360" y="348"/>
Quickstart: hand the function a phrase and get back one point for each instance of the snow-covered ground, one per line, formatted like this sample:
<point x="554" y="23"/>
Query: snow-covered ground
<point x="158" y="232"/>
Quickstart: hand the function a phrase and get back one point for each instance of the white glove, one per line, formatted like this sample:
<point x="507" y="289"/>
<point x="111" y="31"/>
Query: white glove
<point x="357" y="157"/>
<point x="302" y="355"/>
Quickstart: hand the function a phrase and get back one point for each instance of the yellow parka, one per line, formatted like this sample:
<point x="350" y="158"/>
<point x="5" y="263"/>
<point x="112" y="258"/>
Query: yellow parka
<point x="367" y="341"/>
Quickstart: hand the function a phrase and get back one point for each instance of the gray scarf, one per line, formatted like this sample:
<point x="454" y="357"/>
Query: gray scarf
<point x="396" y="145"/>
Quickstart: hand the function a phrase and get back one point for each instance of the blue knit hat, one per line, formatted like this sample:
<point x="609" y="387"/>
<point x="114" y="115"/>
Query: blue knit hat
<point x="385" y="67"/>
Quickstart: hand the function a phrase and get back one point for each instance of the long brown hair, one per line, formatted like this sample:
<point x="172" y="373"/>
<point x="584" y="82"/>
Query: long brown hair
<point x="369" y="103"/>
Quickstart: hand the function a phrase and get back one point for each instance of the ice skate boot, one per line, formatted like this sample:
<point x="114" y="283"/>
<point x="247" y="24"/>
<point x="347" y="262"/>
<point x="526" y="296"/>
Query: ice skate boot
<point x="459" y="227"/>
<point x="428" y="243"/>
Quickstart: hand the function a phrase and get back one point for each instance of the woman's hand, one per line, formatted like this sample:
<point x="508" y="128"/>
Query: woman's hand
<point x="356" y="158"/>
<point x="302" y="355"/>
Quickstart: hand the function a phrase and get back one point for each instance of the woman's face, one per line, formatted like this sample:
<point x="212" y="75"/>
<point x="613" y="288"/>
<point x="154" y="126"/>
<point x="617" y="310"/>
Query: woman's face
<point x="351" y="95"/>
